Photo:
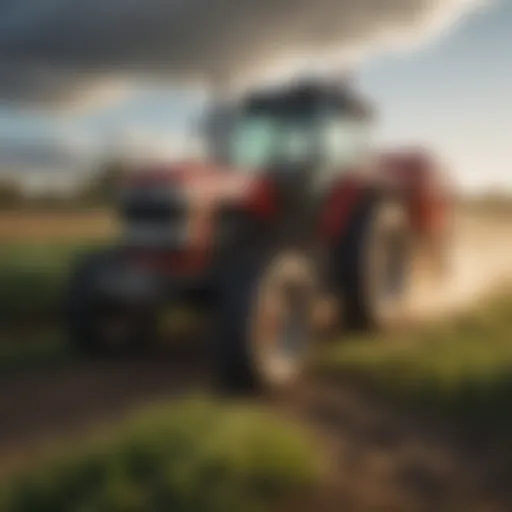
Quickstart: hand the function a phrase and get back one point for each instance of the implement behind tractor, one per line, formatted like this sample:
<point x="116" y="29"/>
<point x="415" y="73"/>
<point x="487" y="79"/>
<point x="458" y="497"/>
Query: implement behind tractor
<point x="293" y="209"/>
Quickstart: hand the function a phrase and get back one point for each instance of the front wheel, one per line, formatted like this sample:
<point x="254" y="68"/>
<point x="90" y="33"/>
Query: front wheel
<point x="99" y="325"/>
<point x="265" y="321"/>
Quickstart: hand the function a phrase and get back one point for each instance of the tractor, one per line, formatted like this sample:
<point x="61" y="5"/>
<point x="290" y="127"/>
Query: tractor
<point x="292" y="225"/>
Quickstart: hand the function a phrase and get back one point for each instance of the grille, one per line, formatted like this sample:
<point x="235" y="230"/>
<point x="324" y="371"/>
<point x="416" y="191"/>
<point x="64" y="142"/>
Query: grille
<point x="147" y="212"/>
<point x="158" y="220"/>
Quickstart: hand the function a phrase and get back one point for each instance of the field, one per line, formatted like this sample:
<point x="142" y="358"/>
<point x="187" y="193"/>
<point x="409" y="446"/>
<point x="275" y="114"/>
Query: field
<point x="460" y="368"/>
<point x="36" y="252"/>
<point x="50" y="227"/>
<point x="416" y="419"/>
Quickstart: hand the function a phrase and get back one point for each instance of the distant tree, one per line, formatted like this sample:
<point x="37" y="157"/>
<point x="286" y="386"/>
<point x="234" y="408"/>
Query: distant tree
<point x="11" y="194"/>
<point x="102" y="187"/>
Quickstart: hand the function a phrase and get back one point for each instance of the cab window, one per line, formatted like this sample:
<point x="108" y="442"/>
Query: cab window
<point x="345" y="141"/>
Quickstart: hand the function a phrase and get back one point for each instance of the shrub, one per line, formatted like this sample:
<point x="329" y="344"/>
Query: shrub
<point x="33" y="277"/>
<point x="190" y="457"/>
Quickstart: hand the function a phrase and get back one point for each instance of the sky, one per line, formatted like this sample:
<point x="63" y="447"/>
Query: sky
<point x="452" y="94"/>
<point x="455" y="95"/>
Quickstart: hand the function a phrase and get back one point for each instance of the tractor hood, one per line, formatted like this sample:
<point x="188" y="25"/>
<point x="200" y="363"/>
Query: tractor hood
<point x="197" y="183"/>
<point x="188" y="198"/>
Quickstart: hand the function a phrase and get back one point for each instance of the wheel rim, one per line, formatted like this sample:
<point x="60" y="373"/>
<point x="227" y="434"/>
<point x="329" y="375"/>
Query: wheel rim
<point x="388" y="266"/>
<point x="281" y="327"/>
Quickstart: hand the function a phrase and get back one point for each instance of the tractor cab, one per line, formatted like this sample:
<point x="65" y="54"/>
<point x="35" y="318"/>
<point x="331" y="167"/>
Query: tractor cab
<point x="306" y="133"/>
<point x="303" y="137"/>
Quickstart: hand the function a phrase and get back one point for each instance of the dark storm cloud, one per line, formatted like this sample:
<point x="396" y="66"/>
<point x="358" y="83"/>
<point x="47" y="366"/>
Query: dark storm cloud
<point x="49" y="47"/>
<point x="33" y="83"/>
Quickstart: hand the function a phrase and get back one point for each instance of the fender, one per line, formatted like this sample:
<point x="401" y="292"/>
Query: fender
<point x="425" y="188"/>
<point x="414" y="178"/>
<point x="261" y="199"/>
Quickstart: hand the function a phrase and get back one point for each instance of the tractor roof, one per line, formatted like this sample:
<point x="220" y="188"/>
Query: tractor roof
<point x="309" y="95"/>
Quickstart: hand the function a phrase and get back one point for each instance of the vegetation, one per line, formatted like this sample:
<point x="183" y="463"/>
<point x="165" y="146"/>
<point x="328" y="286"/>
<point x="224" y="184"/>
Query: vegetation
<point x="11" y="194"/>
<point x="462" y="368"/>
<point x="32" y="277"/>
<point x="35" y="253"/>
<point x="197" y="456"/>
<point x="98" y="190"/>
<point x="48" y="350"/>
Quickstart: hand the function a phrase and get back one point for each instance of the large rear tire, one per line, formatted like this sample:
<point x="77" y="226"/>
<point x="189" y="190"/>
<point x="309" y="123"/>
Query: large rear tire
<point x="264" y="317"/>
<point x="375" y="265"/>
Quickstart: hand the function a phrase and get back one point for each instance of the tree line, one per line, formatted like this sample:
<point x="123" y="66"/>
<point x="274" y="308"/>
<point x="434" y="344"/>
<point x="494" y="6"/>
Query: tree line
<point x="97" y="191"/>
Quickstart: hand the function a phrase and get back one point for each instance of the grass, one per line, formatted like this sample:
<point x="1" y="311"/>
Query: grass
<point x="32" y="277"/>
<point x="49" y="350"/>
<point x="461" y="368"/>
<point x="36" y="254"/>
<point x="194" y="456"/>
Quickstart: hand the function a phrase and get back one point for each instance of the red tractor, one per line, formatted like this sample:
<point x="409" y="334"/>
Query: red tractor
<point x="295" y="208"/>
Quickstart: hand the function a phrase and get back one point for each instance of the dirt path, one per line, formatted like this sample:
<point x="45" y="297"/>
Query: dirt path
<point x="389" y="460"/>
<point x="43" y="407"/>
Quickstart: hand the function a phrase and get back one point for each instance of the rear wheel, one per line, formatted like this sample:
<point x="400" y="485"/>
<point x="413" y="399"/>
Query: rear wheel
<point x="375" y="265"/>
<point x="265" y="322"/>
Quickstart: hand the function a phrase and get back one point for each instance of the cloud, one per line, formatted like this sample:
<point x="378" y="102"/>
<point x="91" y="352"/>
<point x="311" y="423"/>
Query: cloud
<point x="53" y="148"/>
<point x="53" y="50"/>
<point x="77" y="90"/>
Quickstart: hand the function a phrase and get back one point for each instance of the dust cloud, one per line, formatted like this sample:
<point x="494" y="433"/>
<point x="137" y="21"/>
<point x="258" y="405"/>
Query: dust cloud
<point x="480" y="265"/>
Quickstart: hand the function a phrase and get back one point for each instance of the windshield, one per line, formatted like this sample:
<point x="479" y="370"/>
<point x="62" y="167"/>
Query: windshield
<point x="259" y="141"/>
<point x="332" y="142"/>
